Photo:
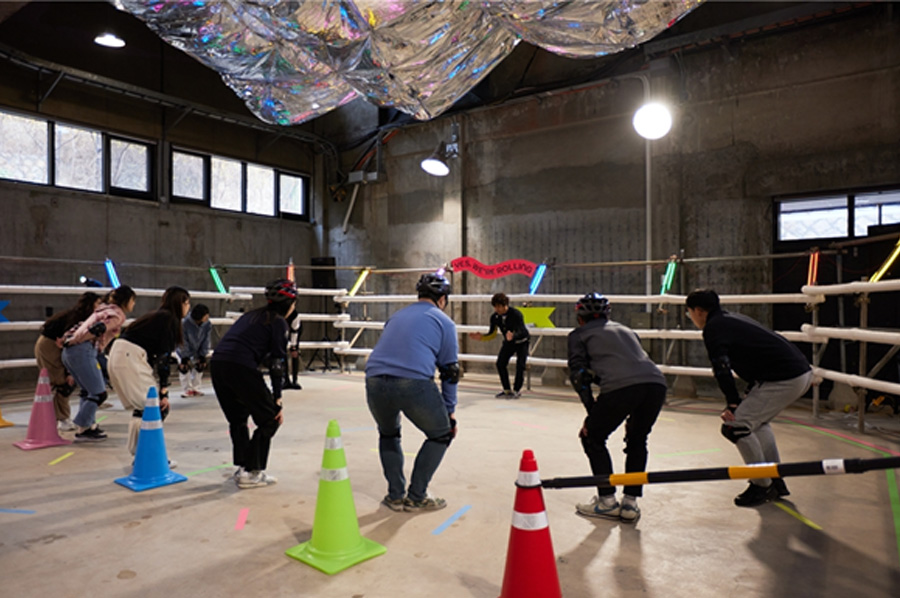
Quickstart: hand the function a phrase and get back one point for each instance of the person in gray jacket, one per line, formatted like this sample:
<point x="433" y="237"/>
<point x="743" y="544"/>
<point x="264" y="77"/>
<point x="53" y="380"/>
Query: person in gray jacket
<point x="192" y="354"/>
<point x="632" y="389"/>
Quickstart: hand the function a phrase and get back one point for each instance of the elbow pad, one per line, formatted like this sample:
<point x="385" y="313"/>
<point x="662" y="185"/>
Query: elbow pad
<point x="581" y="380"/>
<point x="276" y="369"/>
<point x="450" y="372"/>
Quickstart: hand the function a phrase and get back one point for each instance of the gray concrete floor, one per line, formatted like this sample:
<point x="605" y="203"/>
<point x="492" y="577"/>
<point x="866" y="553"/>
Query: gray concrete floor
<point x="837" y="536"/>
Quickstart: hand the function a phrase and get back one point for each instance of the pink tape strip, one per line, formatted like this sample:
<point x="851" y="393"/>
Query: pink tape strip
<point x="242" y="519"/>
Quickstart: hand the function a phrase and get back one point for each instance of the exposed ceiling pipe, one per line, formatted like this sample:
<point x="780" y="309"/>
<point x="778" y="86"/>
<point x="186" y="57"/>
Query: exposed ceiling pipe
<point x="161" y="99"/>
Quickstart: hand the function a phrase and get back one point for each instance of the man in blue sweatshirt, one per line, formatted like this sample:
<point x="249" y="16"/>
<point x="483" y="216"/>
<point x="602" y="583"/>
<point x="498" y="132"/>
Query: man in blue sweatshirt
<point x="400" y="379"/>
<point x="776" y="372"/>
<point x="632" y="389"/>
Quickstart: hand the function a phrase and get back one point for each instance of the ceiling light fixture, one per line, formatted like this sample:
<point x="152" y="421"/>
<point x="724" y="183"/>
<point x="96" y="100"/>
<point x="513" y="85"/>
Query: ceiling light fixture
<point x="652" y="121"/>
<point x="110" y="40"/>
<point x="436" y="163"/>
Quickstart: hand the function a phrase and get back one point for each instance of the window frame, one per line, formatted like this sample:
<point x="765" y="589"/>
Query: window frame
<point x="849" y="195"/>
<point x="305" y="200"/>
<point x="207" y="177"/>
<point x="151" y="193"/>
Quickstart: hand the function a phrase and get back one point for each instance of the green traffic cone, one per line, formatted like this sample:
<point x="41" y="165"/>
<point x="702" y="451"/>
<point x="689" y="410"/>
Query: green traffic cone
<point x="336" y="543"/>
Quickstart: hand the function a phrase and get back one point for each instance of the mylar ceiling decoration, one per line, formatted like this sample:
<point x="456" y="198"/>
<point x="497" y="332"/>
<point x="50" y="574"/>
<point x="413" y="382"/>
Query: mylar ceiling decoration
<point x="294" y="60"/>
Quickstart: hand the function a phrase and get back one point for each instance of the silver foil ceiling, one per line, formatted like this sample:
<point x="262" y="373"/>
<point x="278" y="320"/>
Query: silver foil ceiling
<point x="294" y="60"/>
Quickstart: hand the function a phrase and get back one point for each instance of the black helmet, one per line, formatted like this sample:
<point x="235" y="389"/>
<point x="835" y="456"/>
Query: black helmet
<point x="433" y="286"/>
<point x="281" y="291"/>
<point x="592" y="305"/>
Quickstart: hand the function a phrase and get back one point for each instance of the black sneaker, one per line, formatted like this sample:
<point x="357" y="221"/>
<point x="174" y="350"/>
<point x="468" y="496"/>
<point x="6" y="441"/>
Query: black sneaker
<point x="90" y="435"/>
<point x="780" y="487"/>
<point x="756" y="495"/>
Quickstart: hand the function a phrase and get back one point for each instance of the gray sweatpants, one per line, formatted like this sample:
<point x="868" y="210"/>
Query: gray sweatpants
<point x="761" y="405"/>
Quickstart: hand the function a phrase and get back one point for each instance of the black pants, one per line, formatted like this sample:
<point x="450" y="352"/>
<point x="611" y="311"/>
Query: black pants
<point x="640" y="404"/>
<point x="507" y="350"/>
<point x="242" y="393"/>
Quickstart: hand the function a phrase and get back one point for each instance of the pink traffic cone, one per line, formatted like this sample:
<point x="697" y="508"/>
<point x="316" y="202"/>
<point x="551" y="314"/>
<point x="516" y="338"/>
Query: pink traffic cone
<point x="42" y="425"/>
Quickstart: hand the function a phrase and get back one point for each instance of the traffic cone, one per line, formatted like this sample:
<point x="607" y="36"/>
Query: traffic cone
<point x="4" y="423"/>
<point x="336" y="543"/>
<point x="151" y="464"/>
<point x="530" y="563"/>
<point x="42" y="430"/>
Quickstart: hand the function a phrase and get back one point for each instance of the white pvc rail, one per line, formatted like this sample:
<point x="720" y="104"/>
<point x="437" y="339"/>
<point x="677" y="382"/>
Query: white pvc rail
<point x="642" y="299"/>
<point x="59" y="290"/>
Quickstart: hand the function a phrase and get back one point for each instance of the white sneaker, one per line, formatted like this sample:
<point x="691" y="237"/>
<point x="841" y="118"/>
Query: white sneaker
<point x="607" y="507"/>
<point x="255" y="479"/>
<point x="65" y="425"/>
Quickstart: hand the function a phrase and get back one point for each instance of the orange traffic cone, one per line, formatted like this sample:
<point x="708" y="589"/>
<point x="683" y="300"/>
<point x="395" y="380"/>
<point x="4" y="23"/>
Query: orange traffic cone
<point x="42" y="425"/>
<point x="530" y="563"/>
<point x="4" y="423"/>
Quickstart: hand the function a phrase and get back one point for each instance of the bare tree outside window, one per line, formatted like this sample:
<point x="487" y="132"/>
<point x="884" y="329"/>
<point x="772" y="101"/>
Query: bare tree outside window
<point x="23" y="149"/>
<point x="79" y="158"/>
<point x="260" y="190"/>
<point x="290" y="200"/>
<point x="128" y="165"/>
<point x="226" y="184"/>
<point x="188" y="176"/>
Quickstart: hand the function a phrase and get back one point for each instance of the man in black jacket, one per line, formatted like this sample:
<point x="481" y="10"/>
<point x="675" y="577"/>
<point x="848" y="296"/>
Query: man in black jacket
<point x="776" y="372"/>
<point x="511" y="324"/>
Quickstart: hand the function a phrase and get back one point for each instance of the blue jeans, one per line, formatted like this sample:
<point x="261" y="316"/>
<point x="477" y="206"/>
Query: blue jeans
<point x="81" y="361"/>
<point x="421" y="402"/>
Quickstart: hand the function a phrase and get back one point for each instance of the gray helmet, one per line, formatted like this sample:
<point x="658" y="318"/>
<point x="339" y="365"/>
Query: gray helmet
<point x="592" y="305"/>
<point x="433" y="286"/>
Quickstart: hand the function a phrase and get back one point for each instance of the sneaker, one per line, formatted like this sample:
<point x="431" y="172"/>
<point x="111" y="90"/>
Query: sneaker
<point x="756" y="495"/>
<point x="292" y="386"/>
<point x="629" y="512"/>
<point x="516" y="395"/>
<point x="237" y="473"/>
<point x="66" y="425"/>
<point x="186" y="394"/>
<point x="503" y="394"/>
<point x="90" y="435"/>
<point x="780" y="487"/>
<point x="173" y="463"/>
<point x="599" y="508"/>
<point x="428" y="503"/>
<point x="197" y="393"/>
<point x="255" y="479"/>
<point x="394" y="504"/>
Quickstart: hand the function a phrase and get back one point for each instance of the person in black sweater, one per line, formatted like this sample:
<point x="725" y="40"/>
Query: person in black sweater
<point x="258" y="338"/>
<point x="511" y="324"/>
<point x="776" y="372"/>
<point x="144" y="349"/>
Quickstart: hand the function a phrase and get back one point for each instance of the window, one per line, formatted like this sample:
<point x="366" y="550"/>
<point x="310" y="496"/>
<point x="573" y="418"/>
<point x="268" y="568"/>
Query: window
<point x="292" y="195"/>
<point x="129" y="166"/>
<point x="874" y="209"/>
<point x="835" y="216"/>
<point x="188" y="176"/>
<point x="24" y="149"/>
<point x="260" y="190"/>
<point x="78" y="158"/>
<point x="227" y="184"/>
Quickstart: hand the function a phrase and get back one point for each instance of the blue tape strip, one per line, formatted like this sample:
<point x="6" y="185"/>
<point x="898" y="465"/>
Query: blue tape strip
<point x="18" y="511"/>
<point x="452" y="520"/>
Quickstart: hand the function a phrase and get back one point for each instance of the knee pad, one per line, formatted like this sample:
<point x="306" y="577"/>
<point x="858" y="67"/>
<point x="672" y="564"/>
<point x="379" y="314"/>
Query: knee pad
<point x="386" y="436"/>
<point x="735" y="433"/>
<point x="64" y="390"/>
<point x="99" y="399"/>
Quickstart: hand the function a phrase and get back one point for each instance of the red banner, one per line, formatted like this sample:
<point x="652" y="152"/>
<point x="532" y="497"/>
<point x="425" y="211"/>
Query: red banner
<point x="470" y="264"/>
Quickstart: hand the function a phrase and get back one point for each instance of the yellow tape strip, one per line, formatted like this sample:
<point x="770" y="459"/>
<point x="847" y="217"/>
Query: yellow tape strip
<point x="753" y="471"/>
<point x="791" y="511"/>
<point x="55" y="461"/>
<point x="628" y="479"/>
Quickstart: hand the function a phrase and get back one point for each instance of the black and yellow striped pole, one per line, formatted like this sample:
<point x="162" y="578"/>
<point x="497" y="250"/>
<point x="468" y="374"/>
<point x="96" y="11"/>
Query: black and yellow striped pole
<point x="743" y="472"/>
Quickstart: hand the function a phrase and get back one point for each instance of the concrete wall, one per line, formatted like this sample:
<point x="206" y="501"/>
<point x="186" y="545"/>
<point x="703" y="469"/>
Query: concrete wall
<point x="560" y="176"/>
